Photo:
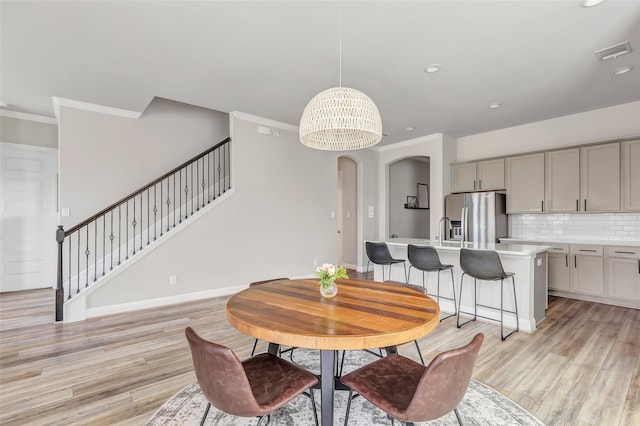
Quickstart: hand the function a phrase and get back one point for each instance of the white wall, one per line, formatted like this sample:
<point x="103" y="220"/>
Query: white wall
<point x="103" y="158"/>
<point x="593" y="126"/>
<point x="276" y="222"/>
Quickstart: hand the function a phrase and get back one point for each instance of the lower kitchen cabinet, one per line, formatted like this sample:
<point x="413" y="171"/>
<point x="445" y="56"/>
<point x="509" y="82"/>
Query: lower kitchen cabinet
<point x="559" y="271"/>
<point x="623" y="273"/>
<point x="587" y="275"/>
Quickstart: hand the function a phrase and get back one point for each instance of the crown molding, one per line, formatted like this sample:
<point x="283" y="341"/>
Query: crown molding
<point x="86" y="106"/>
<point x="264" y="121"/>
<point x="29" y="117"/>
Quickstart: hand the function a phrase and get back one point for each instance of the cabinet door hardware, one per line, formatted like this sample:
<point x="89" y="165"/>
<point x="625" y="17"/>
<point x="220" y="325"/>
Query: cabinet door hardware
<point x="585" y="204"/>
<point x="577" y="205"/>
<point x="639" y="266"/>
<point x="566" y="260"/>
<point x="558" y="248"/>
<point x="575" y="261"/>
<point x="591" y="251"/>
<point x="474" y="184"/>
<point x="542" y="205"/>
<point x="480" y="184"/>
<point x="625" y="252"/>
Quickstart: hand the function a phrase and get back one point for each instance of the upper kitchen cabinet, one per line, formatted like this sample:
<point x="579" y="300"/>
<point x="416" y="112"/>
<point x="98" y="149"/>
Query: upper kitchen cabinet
<point x="525" y="183"/>
<point x="480" y="176"/>
<point x="562" y="188"/>
<point x="631" y="175"/>
<point x="600" y="178"/>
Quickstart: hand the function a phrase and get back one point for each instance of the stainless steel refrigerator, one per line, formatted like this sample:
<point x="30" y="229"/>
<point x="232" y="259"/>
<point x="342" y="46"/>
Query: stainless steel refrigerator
<point x="478" y="217"/>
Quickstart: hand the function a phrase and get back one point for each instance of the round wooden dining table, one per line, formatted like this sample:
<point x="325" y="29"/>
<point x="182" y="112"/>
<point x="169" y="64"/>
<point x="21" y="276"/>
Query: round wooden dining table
<point x="363" y="315"/>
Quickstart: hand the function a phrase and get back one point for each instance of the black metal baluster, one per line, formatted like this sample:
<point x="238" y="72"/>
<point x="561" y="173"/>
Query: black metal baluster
<point x="126" y="241"/>
<point x="218" y="167"/>
<point x="161" y="198"/>
<point x="192" y="195"/>
<point x="186" y="192"/>
<point x="208" y="178"/>
<point x="133" y="223"/>
<point x="155" y="214"/>
<point x="104" y="241"/>
<point x="180" y="197"/>
<point x="86" y="266"/>
<point x="168" y="206"/>
<point x="119" y="234"/>
<point x="224" y="167"/>
<point x="203" y="183"/>
<point x="69" y="280"/>
<point x="78" y="275"/>
<point x="141" y="223"/>
<point x="95" y="248"/>
<point x="197" y="195"/>
<point x="111" y="237"/>
<point x="148" y="221"/>
<point x="174" y="200"/>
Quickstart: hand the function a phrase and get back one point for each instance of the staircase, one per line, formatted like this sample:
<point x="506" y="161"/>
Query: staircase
<point x="97" y="246"/>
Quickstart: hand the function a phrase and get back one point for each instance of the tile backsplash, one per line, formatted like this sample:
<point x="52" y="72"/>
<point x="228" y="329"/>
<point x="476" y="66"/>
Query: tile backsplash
<point x="590" y="226"/>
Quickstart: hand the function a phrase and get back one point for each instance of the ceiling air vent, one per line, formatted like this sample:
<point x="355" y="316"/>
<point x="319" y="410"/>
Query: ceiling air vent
<point x="614" y="51"/>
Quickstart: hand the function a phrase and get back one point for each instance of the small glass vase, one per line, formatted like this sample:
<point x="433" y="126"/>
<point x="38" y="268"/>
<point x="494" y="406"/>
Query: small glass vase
<point x="329" y="290"/>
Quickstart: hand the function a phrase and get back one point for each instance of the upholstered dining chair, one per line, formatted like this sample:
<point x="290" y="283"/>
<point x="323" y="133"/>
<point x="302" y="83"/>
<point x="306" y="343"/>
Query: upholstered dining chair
<point x="411" y="392"/>
<point x="255" y="387"/>
<point x="378" y="254"/>
<point x="255" y="284"/>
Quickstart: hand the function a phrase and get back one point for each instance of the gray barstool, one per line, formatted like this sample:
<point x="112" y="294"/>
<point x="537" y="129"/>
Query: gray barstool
<point x="426" y="259"/>
<point x="485" y="265"/>
<point x="378" y="253"/>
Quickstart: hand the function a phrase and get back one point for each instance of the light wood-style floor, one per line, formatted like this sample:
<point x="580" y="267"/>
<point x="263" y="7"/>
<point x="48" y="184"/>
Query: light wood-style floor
<point x="581" y="367"/>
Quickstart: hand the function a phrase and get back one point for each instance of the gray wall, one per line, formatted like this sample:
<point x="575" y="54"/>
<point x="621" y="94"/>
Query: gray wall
<point x="27" y="132"/>
<point x="403" y="178"/>
<point x="104" y="158"/>
<point x="276" y="222"/>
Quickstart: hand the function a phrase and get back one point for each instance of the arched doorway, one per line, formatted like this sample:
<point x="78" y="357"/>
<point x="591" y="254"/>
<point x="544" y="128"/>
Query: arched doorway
<point x="347" y="214"/>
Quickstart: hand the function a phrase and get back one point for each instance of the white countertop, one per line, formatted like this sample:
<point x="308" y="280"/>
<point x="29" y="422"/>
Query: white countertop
<point x="551" y="240"/>
<point x="501" y="248"/>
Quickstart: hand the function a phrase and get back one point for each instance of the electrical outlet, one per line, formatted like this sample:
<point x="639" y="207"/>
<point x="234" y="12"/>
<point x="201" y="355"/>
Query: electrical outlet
<point x="315" y="262"/>
<point x="173" y="280"/>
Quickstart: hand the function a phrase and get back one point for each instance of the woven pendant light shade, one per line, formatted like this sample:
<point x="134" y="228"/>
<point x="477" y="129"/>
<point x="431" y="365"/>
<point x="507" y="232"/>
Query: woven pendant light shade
<point x="340" y="119"/>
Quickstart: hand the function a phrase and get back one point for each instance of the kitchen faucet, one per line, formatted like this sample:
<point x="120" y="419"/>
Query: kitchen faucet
<point x="443" y="219"/>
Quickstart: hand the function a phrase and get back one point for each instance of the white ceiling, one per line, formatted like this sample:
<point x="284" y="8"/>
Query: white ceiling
<point x="270" y="58"/>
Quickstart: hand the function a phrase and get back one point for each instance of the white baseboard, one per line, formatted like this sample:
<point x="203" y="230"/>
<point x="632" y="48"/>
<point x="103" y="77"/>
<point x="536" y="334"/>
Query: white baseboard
<point x="162" y="301"/>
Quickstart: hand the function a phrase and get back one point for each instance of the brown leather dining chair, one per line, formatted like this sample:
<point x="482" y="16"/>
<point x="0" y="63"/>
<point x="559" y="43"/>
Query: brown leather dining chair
<point x="409" y="391"/>
<point x="255" y="387"/>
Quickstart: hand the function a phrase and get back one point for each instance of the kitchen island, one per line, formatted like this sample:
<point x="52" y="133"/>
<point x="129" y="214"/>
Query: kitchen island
<point x="528" y="262"/>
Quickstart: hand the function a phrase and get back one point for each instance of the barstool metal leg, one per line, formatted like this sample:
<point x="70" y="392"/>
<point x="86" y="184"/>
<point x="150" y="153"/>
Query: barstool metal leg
<point x="367" y="274"/>
<point x="475" y="302"/>
<point x="515" y="303"/>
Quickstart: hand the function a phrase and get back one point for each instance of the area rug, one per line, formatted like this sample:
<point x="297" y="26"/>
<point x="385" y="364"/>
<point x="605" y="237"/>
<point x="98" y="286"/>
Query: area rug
<point x="481" y="405"/>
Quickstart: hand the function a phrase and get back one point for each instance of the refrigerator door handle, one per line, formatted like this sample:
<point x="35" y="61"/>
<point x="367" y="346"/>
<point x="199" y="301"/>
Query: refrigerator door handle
<point x="465" y="223"/>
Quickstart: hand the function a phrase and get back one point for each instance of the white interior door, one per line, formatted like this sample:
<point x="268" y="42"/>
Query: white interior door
<point x="27" y="217"/>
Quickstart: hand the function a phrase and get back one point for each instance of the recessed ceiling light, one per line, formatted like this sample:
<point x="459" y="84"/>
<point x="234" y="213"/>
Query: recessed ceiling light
<point x="494" y="105"/>
<point x="590" y="3"/>
<point x="432" y="68"/>
<point x="622" y="70"/>
<point x="410" y="129"/>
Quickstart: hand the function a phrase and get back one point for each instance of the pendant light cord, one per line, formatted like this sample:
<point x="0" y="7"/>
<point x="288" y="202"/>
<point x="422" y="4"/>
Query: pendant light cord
<point x="340" y="43"/>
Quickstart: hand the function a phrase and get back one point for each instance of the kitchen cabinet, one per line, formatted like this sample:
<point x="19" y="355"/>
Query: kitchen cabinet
<point x="525" y="183"/>
<point x="559" y="270"/>
<point x="478" y="176"/>
<point x="600" y="177"/>
<point x="631" y="175"/>
<point x="623" y="272"/>
<point x="587" y="275"/>
<point x="562" y="184"/>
